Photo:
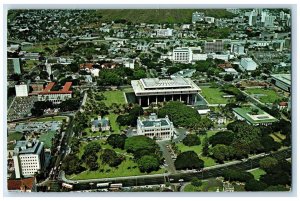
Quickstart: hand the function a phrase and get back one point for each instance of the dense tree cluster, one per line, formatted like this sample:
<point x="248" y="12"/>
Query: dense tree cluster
<point x="130" y="119"/>
<point x="141" y="147"/>
<point x="237" y="175"/>
<point x="188" y="160"/>
<point x="191" y="140"/>
<point x="182" y="115"/>
<point x="116" y="140"/>
<point x="90" y="156"/>
<point x="111" y="158"/>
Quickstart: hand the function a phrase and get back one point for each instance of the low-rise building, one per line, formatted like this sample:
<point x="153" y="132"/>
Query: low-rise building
<point x="22" y="185"/>
<point x="100" y="124"/>
<point x="254" y="116"/>
<point x="283" y="81"/>
<point x="154" y="127"/>
<point x="248" y="64"/>
<point x="57" y="96"/>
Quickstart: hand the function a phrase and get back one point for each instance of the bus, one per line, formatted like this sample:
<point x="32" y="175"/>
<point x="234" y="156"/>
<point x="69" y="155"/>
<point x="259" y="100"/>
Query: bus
<point x="102" y="185"/>
<point x="119" y="185"/>
<point x="69" y="186"/>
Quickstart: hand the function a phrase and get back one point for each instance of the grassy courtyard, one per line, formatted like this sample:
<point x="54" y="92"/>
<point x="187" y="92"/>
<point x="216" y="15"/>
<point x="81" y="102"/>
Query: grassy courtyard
<point x="264" y="95"/>
<point x="198" y="149"/>
<point x="210" y="185"/>
<point x="213" y="95"/>
<point x="47" y="138"/>
<point x="114" y="97"/>
<point x="257" y="173"/>
<point x="127" y="168"/>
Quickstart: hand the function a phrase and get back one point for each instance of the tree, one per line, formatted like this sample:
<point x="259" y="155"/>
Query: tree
<point x="277" y="188"/>
<point x="91" y="148"/>
<point x="172" y="70"/>
<point x="188" y="160"/>
<point x="279" y="178"/>
<point x="139" y="73"/>
<point x="138" y="143"/>
<point x="222" y="152"/>
<point x="269" y="144"/>
<point x="228" y="77"/>
<point x="72" y="165"/>
<point x="222" y="137"/>
<point x="148" y="164"/>
<point x="117" y="140"/>
<point x="196" y="182"/>
<point x="91" y="161"/>
<point x="111" y="158"/>
<point x="268" y="163"/>
<point x="191" y="140"/>
<point x="205" y="148"/>
<point x="74" y="67"/>
<point x="44" y="75"/>
<point x="70" y="104"/>
<point x="237" y="175"/>
<point x="254" y="185"/>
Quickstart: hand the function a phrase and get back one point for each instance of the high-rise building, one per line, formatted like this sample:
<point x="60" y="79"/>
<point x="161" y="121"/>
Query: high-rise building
<point x="252" y="18"/>
<point x="29" y="158"/>
<point x="14" y="66"/>
<point x="269" y="21"/>
<point x="213" y="46"/>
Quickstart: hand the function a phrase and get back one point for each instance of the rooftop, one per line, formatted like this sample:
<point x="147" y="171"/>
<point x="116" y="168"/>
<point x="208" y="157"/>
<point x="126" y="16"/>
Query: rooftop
<point x="260" y="117"/>
<point x="64" y="90"/>
<point x="286" y="78"/>
<point x="153" y="121"/>
<point x="20" y="184"/>
<point x="28" y="147"/>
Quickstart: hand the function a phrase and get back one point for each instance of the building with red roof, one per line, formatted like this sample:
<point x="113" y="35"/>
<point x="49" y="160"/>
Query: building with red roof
<point x="22" y="185"/>
<point x="57" y="96"/>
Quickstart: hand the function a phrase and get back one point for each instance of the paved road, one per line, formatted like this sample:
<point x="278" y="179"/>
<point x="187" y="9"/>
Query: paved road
<point x="167" y="155"/>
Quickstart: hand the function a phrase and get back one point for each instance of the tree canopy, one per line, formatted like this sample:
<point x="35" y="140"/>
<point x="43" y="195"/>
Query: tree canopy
<point x="188" y="160"/>
<point x="191" y="140"/>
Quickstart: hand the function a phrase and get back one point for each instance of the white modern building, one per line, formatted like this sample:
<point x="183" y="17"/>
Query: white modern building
<point x="209" y="20"/>
<point x="22" y="90"/>
<point x="237" y="49"/>
<point x="283" y="81"/>
<point x="148" y="90"/>
<point x="248" y="64"/>
<point x="182" y="55"/>
<point x="29" y="158"/>
<point x="153" y="127"/>
<point x="213" y="46"/>
<point x="164" y="32"/>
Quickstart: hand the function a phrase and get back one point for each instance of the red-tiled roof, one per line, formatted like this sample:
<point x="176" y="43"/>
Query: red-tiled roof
<point x="87" y="65"/>
<point x="283" y="103"/>
<point x="64" y="90"/>
<point x="20" y="184"/>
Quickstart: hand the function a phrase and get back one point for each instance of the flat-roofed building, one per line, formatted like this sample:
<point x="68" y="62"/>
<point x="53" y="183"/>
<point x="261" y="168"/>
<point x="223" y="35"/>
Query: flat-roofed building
<point x="22" y="90"/>
<point x="14" y="66"/>
<point x="254" y="116"/>
<point x="153" y="127"/>
<point x="248" y="64"/>
<point x="29" y="158"/>
<point x="213" y="46"/>
<point x="56" y="96"/>
<point x="283" y="81"/>
<point x="148" y="90"/>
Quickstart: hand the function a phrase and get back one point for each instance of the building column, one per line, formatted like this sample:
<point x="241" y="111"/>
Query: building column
<point x="172" y="97"/>
<point x="188" y="99"/>
<point x="180" y="97"/>
<point x="148" y="101"/>
<point x="140" y="101"/>
<point x="195" y="98"/>
<point x="164" y="98"/>
<point x="156" y="99"/>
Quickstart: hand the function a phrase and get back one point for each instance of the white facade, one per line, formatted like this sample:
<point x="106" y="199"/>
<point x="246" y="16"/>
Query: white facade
<point x="209" y="20"/>
<point x="153" y="127"/>
<point x="95" y="72"/>
<point x="21" y="90"/>
<point x="199" y="57"/>
<point x="182" y="55"/>
<point x="248" y="64"/>
<point x="29" y="158"/>
<point x="54" y="98"/>
<point x="164" y="32"/>
<point x="269" y="21"/>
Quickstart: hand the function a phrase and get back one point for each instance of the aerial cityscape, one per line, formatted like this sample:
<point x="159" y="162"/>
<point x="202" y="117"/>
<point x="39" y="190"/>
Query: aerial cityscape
<point x="149" y="100"/>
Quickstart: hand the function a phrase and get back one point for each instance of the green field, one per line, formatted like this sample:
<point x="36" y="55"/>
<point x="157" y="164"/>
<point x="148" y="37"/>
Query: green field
<point x="127" y="168"/>
<point x="114" y="97"/>
<point x="47" y="138"/>
<point x="269" y="95"/>
<point x="11" y="137"/>
<point x="257" y="173"/>
<point x="198" y="149"/>
<point x="213" y="95"/>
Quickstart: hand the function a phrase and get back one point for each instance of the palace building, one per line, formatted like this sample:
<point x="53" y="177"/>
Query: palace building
<point x="154" y="90"/>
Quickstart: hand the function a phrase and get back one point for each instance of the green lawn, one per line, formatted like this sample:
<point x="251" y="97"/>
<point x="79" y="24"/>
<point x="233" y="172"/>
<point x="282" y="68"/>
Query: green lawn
<point x="47" y="138"/>
<point x="127" y="168"/>
<point x="210" y="185"/>
<point x="257" y="173"/>
<point x="269" y="95"/>
<point x="213" y="95"/>
<point x="198" y="149"/>
<point x="113" y="123"/>
<point x="11" y="137"/>
<point x="114" y="97"/>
